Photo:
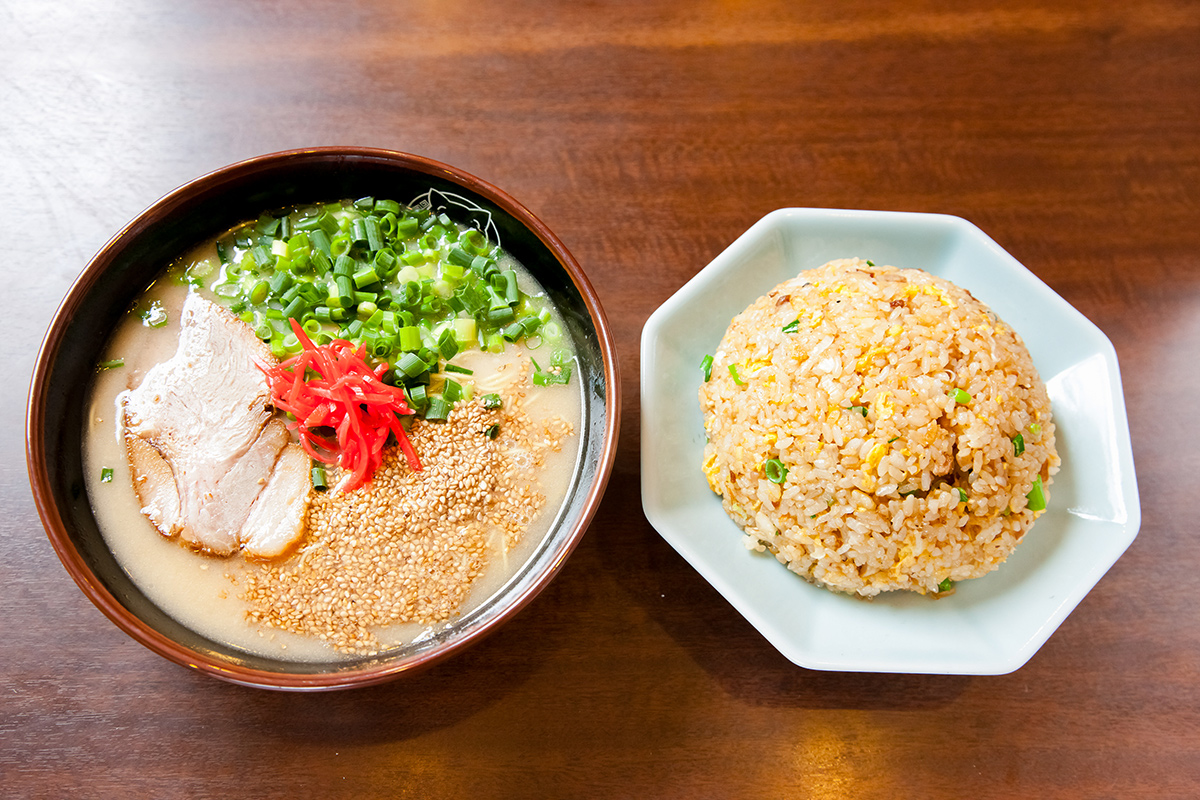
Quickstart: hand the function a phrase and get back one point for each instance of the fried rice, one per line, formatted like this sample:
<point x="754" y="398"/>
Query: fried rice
<point x="877" y="429"/>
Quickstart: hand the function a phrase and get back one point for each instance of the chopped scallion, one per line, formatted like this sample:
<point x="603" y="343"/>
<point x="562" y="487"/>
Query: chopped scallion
<point x="792" y="326"/>
<point x="775" y="470"/>
<point x="407" y="285"/>
<point x="318" y="477"/>
<point x="1018" y="444"/>
<point x="411" y="365"/>
<point x="706" y="365"/>
<point x="1036" y="496"/>
<point x="558" y="373"/>
<point x="733" y="370"/>
<point x="438" y="409"/>
<point x="961" y="396"/>
<point x="106" y="475"/>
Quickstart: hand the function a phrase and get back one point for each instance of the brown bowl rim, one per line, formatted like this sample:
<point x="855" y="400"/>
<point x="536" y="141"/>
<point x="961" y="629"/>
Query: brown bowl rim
<point x="103" y="599"/>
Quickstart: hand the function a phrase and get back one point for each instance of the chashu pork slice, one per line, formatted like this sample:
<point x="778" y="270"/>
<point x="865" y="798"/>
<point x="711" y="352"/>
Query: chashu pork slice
<point x="280" y="509"/>
<point x="203" y="443"/>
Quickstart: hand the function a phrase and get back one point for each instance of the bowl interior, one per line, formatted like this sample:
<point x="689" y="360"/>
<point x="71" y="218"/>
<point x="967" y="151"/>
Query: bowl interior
<point x="211" y="205"/>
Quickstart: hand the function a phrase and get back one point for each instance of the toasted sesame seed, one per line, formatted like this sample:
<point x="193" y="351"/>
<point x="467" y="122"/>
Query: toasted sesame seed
<point x="407" y="547"/>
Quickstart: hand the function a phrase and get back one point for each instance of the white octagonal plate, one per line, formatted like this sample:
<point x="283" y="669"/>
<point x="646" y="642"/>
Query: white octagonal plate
<point x="991" y="625"/>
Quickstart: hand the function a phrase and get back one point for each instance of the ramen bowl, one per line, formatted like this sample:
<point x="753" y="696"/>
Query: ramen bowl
<point x="206" y="207"/>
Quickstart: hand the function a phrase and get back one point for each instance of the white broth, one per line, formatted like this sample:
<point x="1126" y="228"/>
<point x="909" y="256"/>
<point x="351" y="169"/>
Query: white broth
<point x="203" y="592"/>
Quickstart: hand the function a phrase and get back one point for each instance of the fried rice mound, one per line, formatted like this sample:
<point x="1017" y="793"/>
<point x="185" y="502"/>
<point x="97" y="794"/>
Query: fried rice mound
<point x="877" y="429"/>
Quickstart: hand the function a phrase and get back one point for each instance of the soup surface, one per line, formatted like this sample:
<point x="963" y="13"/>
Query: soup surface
<point x="412" y="549"/>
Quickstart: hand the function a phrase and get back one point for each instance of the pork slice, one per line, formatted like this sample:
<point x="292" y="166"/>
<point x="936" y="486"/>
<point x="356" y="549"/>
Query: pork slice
<point x="277" y="518"/>
<point x="154" y="484"/>
<point x="204" y="417"/>
<point x="213" y="519"/>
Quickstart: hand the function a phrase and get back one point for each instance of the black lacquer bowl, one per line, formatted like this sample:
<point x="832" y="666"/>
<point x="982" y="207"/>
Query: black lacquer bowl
<point x="204" y="208"/>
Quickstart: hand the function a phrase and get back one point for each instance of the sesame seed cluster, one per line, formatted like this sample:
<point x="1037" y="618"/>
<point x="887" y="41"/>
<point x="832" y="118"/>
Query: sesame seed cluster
<point x="408" y="547"/>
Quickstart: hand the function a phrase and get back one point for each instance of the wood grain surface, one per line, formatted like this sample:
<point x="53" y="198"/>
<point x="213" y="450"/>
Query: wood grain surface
<point x="648" y="136"/>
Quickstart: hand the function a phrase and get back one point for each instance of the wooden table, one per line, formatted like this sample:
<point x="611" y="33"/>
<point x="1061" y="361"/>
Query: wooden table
<point x="647" y="135"/>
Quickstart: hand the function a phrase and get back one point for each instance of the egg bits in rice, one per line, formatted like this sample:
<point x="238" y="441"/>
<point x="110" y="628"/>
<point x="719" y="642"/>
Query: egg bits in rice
<point x="877" y="429"/>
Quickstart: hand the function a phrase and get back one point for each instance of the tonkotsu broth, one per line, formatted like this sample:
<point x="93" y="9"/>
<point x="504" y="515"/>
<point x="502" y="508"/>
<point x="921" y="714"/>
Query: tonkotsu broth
<point x="202" y="592"/>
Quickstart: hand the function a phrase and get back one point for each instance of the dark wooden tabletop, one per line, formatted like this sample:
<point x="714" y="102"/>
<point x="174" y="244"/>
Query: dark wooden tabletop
<point x="648" y="136"/>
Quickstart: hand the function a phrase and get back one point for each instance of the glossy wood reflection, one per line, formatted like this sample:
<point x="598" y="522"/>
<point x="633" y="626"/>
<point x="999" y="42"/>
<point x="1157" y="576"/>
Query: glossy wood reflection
<point x="647" y="136"/>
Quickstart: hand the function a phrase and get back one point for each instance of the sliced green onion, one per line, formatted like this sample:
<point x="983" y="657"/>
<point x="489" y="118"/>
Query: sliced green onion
<point x="406" y="228"/>
<point x="345" y="290"/>
<point x="1018" y="444"/>
<point x="859" y="409"/>
<point x="492" y="431"/>
<point x="962" y="496"/>
<point x="387" y="206"/>
<point x="1035" y="429"/>
<point x="733" y="370"/>
<point x="407" y="285"/>
<point x="491" y="401"/>
<point x="106" y="475"/>
<point x="558" y="374"/>
<point x="460" y="257"/>
<point x="1036" y="496"/>
<point x="374" y="235"/>
<point x="791" y="326"/>
<point x="500" y="316"/>
<point x="295" y="308"/>
<point x="417" y="396"/>
<point x="258" y="294"/>
<point x="112" y="364"/>
<point x="706" y="364"/>
<point x="409" y="338"/>
<point x="365" y="277"/>
<point x="438" y="409"/>
<point x="327" y="223"/>
<point x="775" y="470"/>
<point x="947" y="584"/>
<point x="308" y="223"/>
<point x="511" y="293"/>
<point x="447" y="344"/>
<point x="411" y="365"/>
<point x="474" y="240"/>
<point x="318" y="477"/>
<point x="267" y="225"/>
<point x="961" y="396"/>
